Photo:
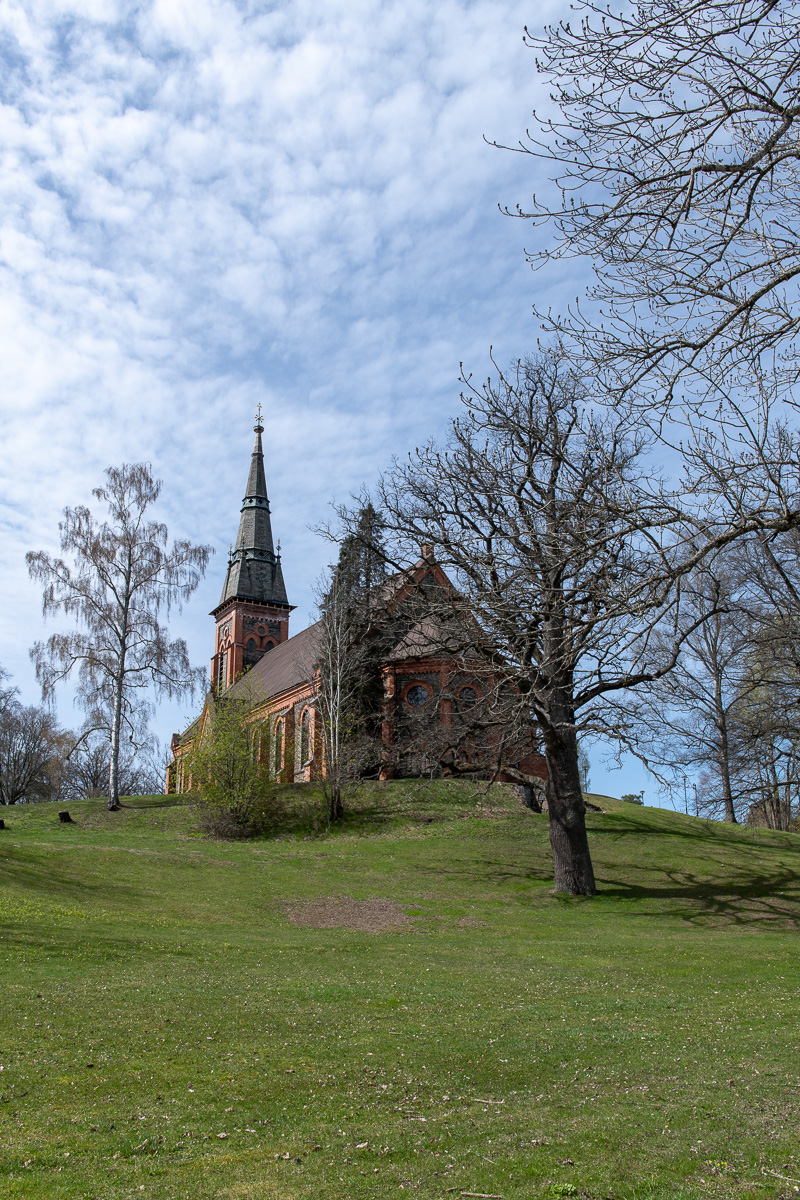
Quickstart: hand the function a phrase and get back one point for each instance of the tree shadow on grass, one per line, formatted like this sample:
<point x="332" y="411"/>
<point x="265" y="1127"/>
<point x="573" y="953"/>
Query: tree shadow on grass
<point x="769" y="900"/>
<point x="34" y="876"/>
<point x="72" y="943"/>
<point x="694" y="829"/>
<point x="148" y="803"/>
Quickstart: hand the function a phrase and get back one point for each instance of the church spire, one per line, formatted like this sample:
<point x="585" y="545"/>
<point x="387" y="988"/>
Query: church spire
<point x="254" y="569"/>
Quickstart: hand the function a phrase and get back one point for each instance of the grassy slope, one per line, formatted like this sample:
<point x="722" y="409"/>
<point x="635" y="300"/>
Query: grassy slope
<point x="642" y="1044"/>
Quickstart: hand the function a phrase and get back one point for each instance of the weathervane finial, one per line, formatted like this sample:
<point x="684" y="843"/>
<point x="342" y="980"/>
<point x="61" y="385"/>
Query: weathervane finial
<point x="258" y="414"/>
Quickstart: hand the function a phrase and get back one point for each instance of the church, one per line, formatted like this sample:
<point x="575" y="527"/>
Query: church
<point x="430" y="700"/>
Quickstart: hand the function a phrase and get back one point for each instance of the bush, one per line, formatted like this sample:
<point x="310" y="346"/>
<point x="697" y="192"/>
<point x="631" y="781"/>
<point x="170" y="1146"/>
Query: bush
<point x="232" y="792"/>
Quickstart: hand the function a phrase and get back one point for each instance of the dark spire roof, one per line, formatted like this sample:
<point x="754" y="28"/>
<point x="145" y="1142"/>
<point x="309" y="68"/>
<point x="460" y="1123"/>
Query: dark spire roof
<point x="254" y="570"/>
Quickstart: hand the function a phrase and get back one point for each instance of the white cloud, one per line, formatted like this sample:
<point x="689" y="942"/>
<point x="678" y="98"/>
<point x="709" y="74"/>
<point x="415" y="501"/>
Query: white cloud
<point x="209" y="203"/>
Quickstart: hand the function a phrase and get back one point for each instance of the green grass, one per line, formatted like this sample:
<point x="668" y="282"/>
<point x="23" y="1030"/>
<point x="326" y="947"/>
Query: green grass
<point x="641" y="1045"/>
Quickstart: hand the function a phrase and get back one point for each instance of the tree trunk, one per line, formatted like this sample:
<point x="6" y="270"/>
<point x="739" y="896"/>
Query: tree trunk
<point x="572" y="862"/>
<point x="335" y="806"/>
<point x="727" y="795"/>
<point x="724" y="754"/>
<point x="113" y="770"/>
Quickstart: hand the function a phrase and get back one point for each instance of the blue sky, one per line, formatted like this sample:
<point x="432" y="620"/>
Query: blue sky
<point x="207" y="204"/>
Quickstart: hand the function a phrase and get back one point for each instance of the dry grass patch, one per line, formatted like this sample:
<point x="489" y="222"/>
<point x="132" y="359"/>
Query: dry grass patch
<point x="342" y="912"/>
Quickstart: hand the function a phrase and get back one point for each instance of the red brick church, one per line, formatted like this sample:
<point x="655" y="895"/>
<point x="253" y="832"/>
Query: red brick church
<point x="427" y="696"/>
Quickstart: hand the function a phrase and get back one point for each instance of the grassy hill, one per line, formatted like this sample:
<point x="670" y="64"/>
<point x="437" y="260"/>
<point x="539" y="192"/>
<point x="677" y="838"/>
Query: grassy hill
<point x="400" y="1008"/>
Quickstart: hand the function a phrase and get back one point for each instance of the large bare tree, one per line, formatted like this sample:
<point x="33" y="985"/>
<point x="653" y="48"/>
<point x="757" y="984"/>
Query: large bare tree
<point x="124" y="573"/>
<point x="566" y="551"/>
<point x="570" y="552"/>
<point x="676" y="160"/>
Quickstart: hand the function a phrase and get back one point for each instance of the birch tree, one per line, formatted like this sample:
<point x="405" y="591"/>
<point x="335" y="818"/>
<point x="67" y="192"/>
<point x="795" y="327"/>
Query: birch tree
<point x="117" y="580"/>
<point x="340" y="673"/>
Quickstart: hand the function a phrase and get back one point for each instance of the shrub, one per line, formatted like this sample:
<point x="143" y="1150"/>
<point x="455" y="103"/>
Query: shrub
<point x="232" y="791"/>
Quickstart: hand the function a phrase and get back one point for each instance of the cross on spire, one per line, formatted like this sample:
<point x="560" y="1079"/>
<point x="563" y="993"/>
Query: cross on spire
<point x="259" y="417"/>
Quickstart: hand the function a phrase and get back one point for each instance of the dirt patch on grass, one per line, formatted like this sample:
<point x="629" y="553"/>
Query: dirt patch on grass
<point x="342" y="912"/>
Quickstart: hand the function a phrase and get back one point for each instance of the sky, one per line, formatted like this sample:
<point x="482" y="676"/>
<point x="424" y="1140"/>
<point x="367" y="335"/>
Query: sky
<point x="210" y="204"/>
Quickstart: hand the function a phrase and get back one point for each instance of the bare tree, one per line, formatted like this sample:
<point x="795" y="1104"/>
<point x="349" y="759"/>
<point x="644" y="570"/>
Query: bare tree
<point x="677" y="172"/>
<point x="86" y="767"/>
<point x="768" y="769"/>
<point x="568" y="554"/>
<point x="8" y="693"/>
<point x="349" y="651"/>
<point x="689" y="721"/>
<point x="341" y="679"/>
<point x="124" y="574"/>
<point x="584" y="767"/>
<point x="29" y="753"/>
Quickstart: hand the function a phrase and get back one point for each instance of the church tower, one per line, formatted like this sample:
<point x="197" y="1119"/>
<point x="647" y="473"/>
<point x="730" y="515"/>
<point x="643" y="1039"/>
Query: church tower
<point x="253" y="613"/>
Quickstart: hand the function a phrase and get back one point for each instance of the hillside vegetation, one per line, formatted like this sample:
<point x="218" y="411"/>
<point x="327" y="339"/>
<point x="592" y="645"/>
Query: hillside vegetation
<point x="401" y="1007"/>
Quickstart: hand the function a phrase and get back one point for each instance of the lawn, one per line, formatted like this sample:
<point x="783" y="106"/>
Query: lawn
<point x="401" y="1007"/>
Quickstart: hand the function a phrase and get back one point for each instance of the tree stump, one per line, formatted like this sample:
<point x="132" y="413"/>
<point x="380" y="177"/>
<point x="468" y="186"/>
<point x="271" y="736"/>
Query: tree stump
<point x="65" y="818"/>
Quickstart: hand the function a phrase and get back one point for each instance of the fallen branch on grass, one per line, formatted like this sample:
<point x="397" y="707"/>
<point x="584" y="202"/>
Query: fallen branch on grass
<point x="787" y="1178"/>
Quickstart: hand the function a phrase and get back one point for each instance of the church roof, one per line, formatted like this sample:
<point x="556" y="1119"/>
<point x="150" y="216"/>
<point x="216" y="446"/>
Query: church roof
<point x="291" y="663"/>
<point x="254" y="570"/>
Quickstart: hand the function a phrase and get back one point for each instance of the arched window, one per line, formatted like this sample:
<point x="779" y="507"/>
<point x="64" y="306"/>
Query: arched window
<point x="278" y="757"/>
<point x="221" y="673"/>
<point x="269" y="646"/>
<point x="305" y="737"/>
<point x="468" y="697"/>
<point x="251" y="644"/>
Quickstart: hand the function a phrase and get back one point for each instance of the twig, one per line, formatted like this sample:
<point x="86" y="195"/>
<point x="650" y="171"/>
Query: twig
<point x="477" y="1100"/>
<point x="766" y="1171"/>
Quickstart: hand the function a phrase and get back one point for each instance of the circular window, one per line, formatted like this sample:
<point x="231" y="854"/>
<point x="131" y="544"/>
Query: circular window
<point x="261" y="631"/>
<point x="417" y="696"/>
<point x="468" y="697"/>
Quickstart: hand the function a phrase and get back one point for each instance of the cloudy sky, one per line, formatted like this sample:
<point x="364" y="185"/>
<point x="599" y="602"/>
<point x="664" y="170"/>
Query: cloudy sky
<point x="207" y="204"/>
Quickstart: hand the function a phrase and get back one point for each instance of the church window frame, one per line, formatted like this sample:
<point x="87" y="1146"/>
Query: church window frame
<point x="305" y="738"/>
<point x="278" y="740"/>
<point x="417" y="695"/>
